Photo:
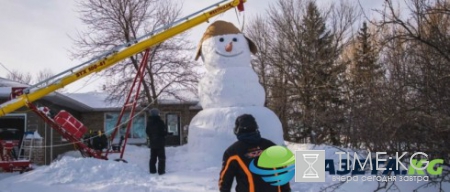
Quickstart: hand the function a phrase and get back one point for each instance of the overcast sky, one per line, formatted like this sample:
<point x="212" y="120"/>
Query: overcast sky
<point x="35" y="35"/>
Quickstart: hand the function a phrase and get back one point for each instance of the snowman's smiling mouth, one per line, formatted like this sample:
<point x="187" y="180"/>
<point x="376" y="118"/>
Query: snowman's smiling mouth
<point x="233" y="55"/>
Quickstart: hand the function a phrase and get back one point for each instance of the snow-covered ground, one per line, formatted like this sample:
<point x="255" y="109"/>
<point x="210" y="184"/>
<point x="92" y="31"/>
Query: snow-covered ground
<point x="74" y="173"/>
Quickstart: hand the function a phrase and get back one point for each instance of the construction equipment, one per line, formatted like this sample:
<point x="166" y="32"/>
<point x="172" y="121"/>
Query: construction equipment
<point x="10" y="155"/>
<point x="102" y="62"/>
<point x="69" y="128"/>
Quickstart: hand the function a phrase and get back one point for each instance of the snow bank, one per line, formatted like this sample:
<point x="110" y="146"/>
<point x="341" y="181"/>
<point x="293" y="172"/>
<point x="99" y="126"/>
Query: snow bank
<point x="86" y="174"/>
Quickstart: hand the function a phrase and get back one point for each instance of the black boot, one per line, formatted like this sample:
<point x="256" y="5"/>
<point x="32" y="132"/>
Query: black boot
<point x="152" y="162"/>
<point x="161" y="166"/>
<point x="161" y="161"/>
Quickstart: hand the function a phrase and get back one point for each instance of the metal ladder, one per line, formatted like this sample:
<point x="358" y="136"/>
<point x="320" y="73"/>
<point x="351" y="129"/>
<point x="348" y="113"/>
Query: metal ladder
<point x="130" y="105"/>
<point x="26" y="147"/>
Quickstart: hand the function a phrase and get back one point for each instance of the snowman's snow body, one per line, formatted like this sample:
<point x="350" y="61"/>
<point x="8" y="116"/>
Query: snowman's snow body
<point x="229" y="88"/>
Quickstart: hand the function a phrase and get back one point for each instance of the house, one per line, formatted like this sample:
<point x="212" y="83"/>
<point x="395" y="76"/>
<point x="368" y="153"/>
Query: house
<point x="96" y="114"/>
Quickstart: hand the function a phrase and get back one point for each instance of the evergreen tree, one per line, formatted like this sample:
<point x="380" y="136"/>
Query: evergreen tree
<point x="366" y="71"/>
<point x="365" y="74"/>
<point x="321" y="77"/>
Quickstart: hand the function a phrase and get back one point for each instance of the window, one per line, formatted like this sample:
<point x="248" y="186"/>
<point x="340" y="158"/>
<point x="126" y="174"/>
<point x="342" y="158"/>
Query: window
<point x="173" y="123"/>
<point x="137" y="129"/>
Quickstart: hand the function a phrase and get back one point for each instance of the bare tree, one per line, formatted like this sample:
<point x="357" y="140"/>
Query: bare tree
<point x="420" y="80"/>
<point x="43" y="75"/>
<point x="111" y="23"/>
<point x="16" y="75"/>
<point x="271" y="77"/>
<point x="28" y="78"/>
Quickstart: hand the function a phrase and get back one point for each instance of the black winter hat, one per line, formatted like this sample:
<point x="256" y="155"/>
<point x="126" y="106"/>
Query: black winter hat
<point x="154" y="112"/>
<point x="245" y="124"/>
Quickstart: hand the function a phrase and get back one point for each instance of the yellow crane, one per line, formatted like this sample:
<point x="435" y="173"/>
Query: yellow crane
<point x="112" y="57"/>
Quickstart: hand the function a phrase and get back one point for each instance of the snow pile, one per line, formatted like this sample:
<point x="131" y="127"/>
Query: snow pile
<point x="77" y="174"/>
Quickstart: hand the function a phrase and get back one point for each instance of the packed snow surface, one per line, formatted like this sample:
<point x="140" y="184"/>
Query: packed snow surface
<point x="74" y="173"/>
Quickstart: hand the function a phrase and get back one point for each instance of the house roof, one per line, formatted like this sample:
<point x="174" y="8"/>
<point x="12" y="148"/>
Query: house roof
<point x="5" y="92"/>
<point x="10" y="83"/>
<point x="98" y="102"/>
<point x="94" y="101"/>
<point x="58" y="98"/>
<point x="63" y="100"/>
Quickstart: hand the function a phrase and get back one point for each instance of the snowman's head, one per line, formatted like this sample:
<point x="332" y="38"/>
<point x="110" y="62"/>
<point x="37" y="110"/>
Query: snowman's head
<point x="224" y="46"/>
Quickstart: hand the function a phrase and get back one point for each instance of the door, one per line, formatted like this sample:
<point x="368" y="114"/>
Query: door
<point x="173" y="129"/>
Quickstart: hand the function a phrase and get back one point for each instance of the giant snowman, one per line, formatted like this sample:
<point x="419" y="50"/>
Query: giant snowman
<point x="229" y="88"/>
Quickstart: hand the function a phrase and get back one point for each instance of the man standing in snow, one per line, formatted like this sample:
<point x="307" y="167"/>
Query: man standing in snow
<point x="239" y="155"/>
<point x="156" y="131"/>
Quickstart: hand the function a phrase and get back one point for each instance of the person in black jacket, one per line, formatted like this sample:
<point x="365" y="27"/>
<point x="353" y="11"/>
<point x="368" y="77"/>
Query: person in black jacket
<point x="156" y="131"/>
<point x="99" y="141"/>
<point x="237" y="158"/>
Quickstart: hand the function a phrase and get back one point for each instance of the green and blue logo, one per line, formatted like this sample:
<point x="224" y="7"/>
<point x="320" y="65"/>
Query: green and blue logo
<point x="276" y="165"/>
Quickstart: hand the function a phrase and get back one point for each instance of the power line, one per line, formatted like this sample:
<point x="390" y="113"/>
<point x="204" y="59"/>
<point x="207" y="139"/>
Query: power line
<point x="5" y="68"/>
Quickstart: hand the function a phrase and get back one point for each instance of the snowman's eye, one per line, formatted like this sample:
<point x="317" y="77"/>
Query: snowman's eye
<point x="235" y="39"/>
<point x="221" y="39"/>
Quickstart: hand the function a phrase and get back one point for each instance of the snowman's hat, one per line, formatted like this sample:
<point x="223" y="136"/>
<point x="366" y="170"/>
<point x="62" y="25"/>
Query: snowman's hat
<point x="222" y="28"/>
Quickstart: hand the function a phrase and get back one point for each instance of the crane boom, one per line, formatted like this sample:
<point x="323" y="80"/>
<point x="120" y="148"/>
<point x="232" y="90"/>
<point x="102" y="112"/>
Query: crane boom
<point x="34" y="92"/>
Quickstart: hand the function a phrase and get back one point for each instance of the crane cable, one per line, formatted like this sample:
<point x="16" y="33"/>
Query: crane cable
<point x="243" y="18"/>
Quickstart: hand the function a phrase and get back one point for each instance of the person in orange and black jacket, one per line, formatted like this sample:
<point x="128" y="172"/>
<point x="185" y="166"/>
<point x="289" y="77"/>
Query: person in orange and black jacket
<point x="156" y="131"/>
<point x="237" y="158"/>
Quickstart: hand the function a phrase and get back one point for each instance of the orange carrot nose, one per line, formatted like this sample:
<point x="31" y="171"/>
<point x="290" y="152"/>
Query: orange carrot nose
<point x="229" y="47"/>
